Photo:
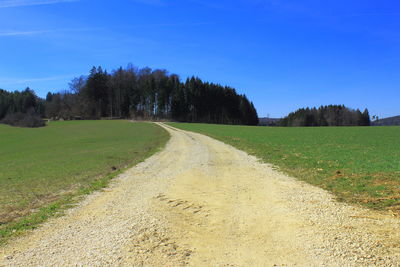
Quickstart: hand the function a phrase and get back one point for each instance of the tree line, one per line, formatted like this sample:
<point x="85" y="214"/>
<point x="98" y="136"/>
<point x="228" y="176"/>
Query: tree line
<point x="332" y="115"/>
<point x="135" y="93"/>
<point x="20" y="102"/>
<point x="149" y="94"/>
<point x="22" y="109"/>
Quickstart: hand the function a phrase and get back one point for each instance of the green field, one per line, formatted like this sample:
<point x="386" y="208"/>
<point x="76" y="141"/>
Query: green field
<point x="358" y="164"/>
<point x="44" y="165"/>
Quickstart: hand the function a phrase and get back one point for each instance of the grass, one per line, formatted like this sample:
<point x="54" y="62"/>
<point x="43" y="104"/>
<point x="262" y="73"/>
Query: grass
<point x="45" y="170"/>
<point x="358" y="164"/>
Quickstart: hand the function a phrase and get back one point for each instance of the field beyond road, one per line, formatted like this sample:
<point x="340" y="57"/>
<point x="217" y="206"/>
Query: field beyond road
<point x="39" y="166"/>
<point x="358" y="164"/>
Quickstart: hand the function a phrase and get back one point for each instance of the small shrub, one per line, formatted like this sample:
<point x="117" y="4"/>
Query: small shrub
<point x="24" y="120"/>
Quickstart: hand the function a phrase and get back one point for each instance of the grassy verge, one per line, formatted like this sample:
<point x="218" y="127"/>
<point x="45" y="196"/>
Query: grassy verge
<point x="358" y="164"/>
<point x="45" y="170"/>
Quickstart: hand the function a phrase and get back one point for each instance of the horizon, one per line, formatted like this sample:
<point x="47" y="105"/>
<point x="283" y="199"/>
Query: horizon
<point x="273" y="118"/>
<point x="282" y="55"/>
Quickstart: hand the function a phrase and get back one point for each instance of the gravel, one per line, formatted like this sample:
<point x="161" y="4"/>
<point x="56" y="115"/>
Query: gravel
<point x="200" y="202"/>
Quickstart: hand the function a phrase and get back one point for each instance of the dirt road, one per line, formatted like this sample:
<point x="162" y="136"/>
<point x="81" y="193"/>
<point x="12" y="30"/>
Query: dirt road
<point x="200" y="202"/>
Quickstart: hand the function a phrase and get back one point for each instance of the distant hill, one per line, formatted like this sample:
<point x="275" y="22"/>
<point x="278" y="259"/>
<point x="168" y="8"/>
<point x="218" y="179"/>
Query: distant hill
<point x="268" y="121"/>
<point x="387" y="121"/>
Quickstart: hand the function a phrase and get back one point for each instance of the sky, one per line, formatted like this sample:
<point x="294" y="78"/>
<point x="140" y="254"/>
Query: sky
<point x="283" y="54"/>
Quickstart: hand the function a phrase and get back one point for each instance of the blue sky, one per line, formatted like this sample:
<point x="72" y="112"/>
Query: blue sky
<point x="282" y="54"/>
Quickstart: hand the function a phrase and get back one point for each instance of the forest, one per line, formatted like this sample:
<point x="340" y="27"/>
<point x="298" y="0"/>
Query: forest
<point x="22" y="109"/>
<point x="332" y="115"/>
<point x="24" y="102"/>
<point x="156" y="95"/>
<point x="136" y="93"/>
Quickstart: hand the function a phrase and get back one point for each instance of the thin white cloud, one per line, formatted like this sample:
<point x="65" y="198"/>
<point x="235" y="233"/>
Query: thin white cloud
<point x="384" y="14"/>
<point x="39" y="32"/>
<point x="32" y="80"/>
<point x="20" y="3"/>
<point x="151" y="2"/>
<point x="16" y="33"/>
<point x="21" y="33"/>
<point x="167" y="25"/>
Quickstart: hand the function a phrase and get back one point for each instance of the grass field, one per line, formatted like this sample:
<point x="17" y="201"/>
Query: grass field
<point x="357" y="164"/>
<point x="42" y="168"/>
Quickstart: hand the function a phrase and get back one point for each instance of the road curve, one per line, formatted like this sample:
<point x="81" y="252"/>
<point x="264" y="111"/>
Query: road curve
<point x="200" y="202"/>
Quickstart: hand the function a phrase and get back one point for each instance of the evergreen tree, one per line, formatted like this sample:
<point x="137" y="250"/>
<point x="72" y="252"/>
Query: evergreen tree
<point x="138" y="93"/>
<point x="332" y="115"/>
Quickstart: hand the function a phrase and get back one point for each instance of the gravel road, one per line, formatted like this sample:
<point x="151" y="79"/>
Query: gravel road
<point x="200" y="202"/>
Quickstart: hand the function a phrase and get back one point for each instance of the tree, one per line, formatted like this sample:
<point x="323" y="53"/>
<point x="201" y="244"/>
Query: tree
<point x="77" y="84"/>
<point x="21" y="108"/>
<point x="332" y="115"/>
<point x="366" y="119"/>
<point x="139" y="93"/>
